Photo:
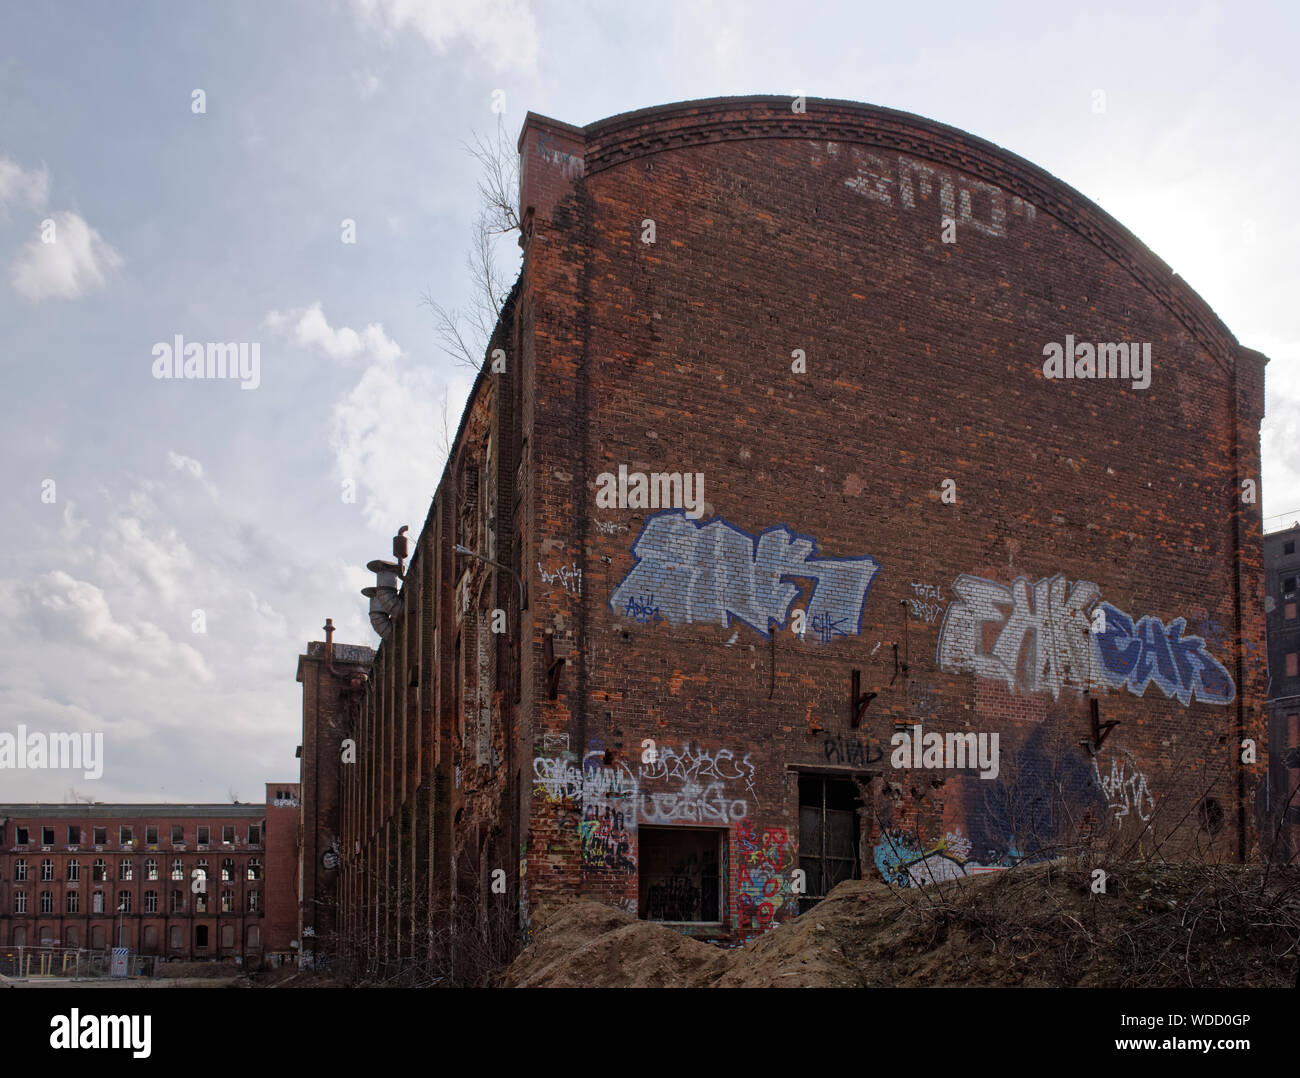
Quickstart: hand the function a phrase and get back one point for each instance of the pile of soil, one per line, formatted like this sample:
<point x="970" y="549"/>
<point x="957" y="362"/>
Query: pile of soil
<point x="1157" y="925"/>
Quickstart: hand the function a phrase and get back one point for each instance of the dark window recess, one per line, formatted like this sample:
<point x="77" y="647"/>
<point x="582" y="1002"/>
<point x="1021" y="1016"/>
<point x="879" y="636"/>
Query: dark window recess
<point x="47" y="836"/>
<point x="828" y="835"/>
<point x="1289" y="547"/>
<point x="1288" y="585"/>
<point x="151" y="836"/>
<point x="202" y="837"/>
<point x="200" y="936"/>
<point x="74" y="835"/>
<point x="100" y="835"/>
<point x="22" y="836"/>
<point x="679" y="877"/>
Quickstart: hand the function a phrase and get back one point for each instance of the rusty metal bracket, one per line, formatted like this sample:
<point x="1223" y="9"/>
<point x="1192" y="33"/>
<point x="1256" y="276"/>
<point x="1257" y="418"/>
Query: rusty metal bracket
<point x="554" y="667"/>
<point x="1100" y="730"/>
<point x="858" y="701"/>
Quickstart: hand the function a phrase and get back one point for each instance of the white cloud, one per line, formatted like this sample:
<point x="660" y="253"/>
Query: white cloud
<point x="76" y="610"/>
<point x="76" y="260"/>
<point x="185" y="464"/>
<point x="311" y="330"/>
<point x="503" y="32"/>
<point x="32" y="188"/>
<point x="387" y="437"/>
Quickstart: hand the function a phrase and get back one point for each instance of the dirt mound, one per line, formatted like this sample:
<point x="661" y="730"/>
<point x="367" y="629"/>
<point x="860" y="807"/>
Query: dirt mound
<point x="585" y="944"/>
<point x="1038" y="925"/>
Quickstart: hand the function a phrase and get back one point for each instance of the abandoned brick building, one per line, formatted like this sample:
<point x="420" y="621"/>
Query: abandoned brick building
<point x="765" y="466"/>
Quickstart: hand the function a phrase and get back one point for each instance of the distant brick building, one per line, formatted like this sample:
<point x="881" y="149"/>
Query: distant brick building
<point x="766" y="466"/>
<point x="95" y="876"/>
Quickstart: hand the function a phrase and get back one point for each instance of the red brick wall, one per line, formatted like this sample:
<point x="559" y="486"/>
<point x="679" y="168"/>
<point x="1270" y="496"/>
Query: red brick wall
<point x="924" y="364"/>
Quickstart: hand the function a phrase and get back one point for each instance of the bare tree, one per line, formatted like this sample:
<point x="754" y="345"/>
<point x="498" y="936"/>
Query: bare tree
<point x="464" y="332"/>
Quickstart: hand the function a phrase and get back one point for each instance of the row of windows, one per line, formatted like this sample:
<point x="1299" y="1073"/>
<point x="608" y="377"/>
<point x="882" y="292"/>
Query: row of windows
<point x="126" y="835"/>
<point x="99" y="937"/>
<point x="73" y="902"/>
<point x="126" y="869"/>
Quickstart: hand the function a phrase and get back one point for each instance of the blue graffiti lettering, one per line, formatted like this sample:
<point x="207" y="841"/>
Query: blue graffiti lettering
<point x="715" y="572"/>
<point x="1135" y="655"/>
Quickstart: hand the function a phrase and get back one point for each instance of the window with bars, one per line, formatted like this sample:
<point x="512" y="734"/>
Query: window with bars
<point x="828" y="835"/>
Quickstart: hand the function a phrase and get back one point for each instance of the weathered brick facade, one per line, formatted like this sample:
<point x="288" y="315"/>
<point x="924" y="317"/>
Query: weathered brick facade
<point x="840" y="323"/>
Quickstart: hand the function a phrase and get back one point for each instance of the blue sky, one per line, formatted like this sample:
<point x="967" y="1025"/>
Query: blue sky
<point x="172" y="497"/>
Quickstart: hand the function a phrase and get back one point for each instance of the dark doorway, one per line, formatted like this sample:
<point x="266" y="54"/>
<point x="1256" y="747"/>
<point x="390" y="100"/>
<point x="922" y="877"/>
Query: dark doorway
<point x="828" y="835"/>
<point x="679" y="877"/>
<point x="200" y="937"/>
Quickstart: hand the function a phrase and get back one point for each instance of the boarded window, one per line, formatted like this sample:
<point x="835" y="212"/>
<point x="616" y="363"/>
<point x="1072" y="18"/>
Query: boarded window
<point x="679" y="875"/>
<point x="1291" y="665"/>
<point x="828" y="835"/>
<point x="1289" y="611"/>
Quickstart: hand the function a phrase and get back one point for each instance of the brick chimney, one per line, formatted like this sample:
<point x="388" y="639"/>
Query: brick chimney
<point x="550" y="163"/>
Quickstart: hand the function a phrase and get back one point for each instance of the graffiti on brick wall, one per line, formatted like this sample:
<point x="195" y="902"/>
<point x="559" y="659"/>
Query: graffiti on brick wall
<point x="556" y="778"/>
<point x="1134" y="656"/>
<point x="569" y="577"/>
<point x="851" y="750"/>
<point x="643" y="609"/>
<point x="763" y="883"/>
<point x="607" y="831"/>
<point x="1045" y="640"/>
<point x="1052" y="628"/>
<point x="970" y="202"/>
<point x="905" y="861"/>
<point x="926" y="602"/>
<point x="554" y="153"/>
<point x="715" y="572"/>
<point x="1125" y="787"/>
<point x="697" y="786"/>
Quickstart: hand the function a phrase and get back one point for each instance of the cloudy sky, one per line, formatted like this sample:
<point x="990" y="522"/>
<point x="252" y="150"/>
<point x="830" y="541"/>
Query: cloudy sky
<point x="136" y="510"/>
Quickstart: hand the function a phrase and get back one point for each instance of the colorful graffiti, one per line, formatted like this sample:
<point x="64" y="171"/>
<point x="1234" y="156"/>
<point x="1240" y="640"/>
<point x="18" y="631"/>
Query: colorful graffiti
<point x="1046" y="640"/>
<point x="716" y="572"/>
<point x="1134" y="656"/>
<point x="763" y="883"/>
<point x="904" y="861"/>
